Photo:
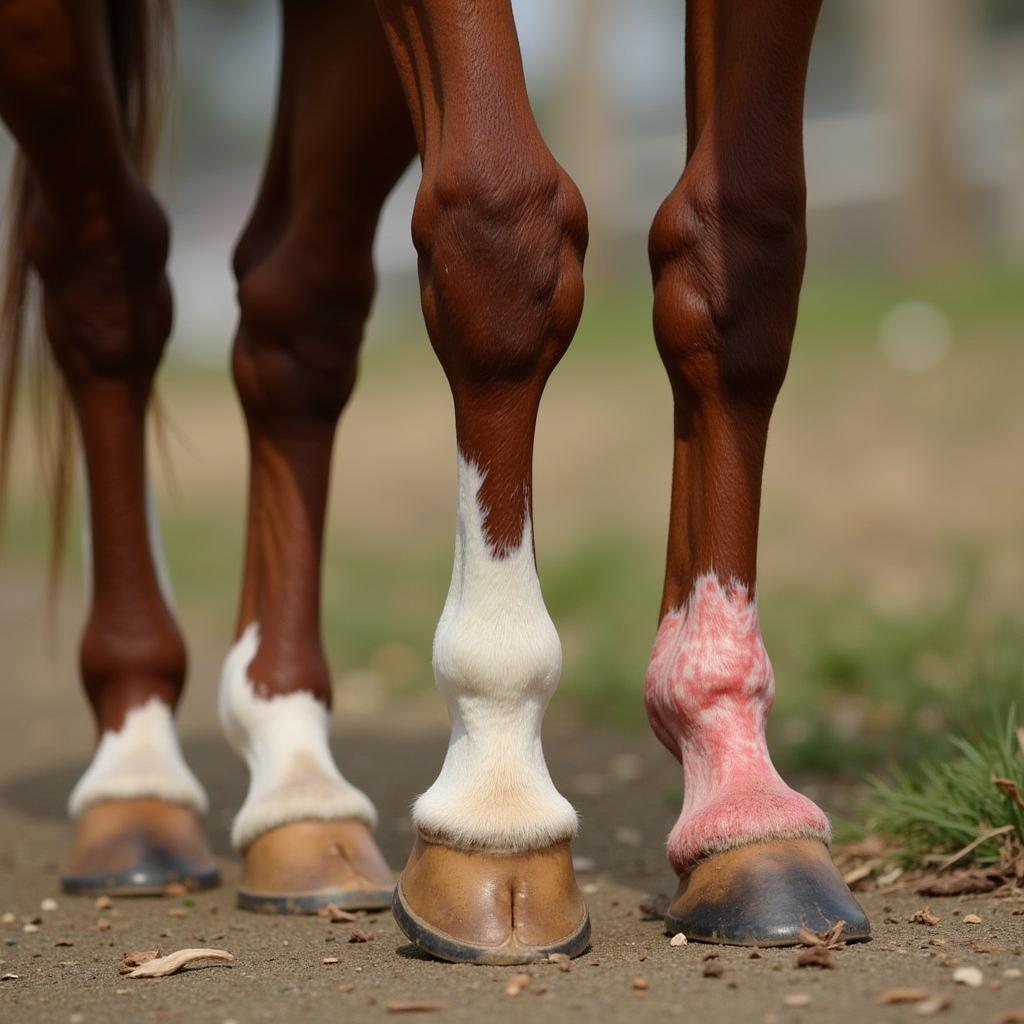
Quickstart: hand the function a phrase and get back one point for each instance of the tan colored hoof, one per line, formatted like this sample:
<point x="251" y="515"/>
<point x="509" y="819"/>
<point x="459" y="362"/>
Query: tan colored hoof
<point x="763" y="895"/>
<point x="303" y="866"/>
<point x="486" y="908"/>
<point x="138" y="847"/>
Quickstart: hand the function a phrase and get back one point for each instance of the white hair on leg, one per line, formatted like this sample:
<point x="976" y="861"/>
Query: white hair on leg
<point x="283" y="739"/>
<point x="141" y="759"/>
<point x="497" y="659"/>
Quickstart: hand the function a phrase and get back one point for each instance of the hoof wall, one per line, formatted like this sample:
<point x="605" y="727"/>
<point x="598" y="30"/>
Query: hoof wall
<point x="483" y="908"/>
<point x="138" y="848"/>
<point x="763" y="895"/>
<point x="304" y="866"/>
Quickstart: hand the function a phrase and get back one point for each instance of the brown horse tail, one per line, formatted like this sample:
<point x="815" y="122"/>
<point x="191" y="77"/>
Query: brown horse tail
<point x="141" y="37"/>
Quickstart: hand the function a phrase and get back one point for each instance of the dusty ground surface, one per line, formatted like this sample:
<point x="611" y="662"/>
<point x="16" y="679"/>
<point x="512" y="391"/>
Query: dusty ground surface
<point x="67" y="968"/>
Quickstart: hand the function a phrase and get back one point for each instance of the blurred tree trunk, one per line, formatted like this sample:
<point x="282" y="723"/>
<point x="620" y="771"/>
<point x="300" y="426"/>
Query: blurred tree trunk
<point x="1012" y="207"/>
<point x="586" y="128"/>
<point x="918" y="59"/>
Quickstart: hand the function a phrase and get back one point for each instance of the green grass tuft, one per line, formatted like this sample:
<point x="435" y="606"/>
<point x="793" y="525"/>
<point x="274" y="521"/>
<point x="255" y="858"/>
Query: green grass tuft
<point x="943" y="804"/>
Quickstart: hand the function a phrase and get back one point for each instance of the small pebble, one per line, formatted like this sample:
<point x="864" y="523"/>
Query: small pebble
<point x="796" y="999"/>
<point x="972" y="919"/>
<point x="640" y="984"/>
<point x="516" y="984"/>
<point x="330" y="959"/>
<point x="48" y="904"/>
<point x="969" y="976"/>
<point x="30" y="928"/>
<point x="679" y="939"/>
<point x="1012" y="972"/>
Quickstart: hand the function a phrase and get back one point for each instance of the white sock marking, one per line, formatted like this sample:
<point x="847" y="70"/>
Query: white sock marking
<point x="283" y="739"/>
<point x="497" y="659"/>
<point x="143" y="759"/>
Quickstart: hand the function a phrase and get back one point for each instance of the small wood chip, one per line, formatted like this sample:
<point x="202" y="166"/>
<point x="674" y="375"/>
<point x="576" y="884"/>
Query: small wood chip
<point x="330" y="960"/>
<point x="816" y="956"/>
<point x="713" y="969"/>
<point x="933" y="1005"/>
<point x="797" y="999"/>
<point x="640" y="984"/>
<point x="175" y="889"/>
<point x="831" y="939"/>
<point x="333" y="913"/>
<point x="1010" y="789"/>
<point x="679" y="939"/>
<point x="136" y="958"/>
<point x="64" y="942"/>
<point x="9" y="976"/>
<point x="924" y="916"/>
<point x="1015" y="1016"/>
<point x="358" y="935"/>
<point x="412" y="1006"/>
<point x="177" y="912"/>
<point x="516" y="984"/>
<point x="103" y="903"/>
<point x="959" y="883"/>
<point x="564" y="962"/>
<point x="972" y="919"/>
<point x="896" y="996"/>
<point x="162" y="966"/>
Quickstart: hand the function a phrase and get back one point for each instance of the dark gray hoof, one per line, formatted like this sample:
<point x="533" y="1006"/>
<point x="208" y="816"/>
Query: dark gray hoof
<point x="312" y="902"/>
<point x="763" y="895"/>
<point x="155" y="870"/>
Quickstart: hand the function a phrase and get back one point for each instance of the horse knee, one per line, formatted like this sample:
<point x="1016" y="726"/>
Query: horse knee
<point x="302" y="317"/>
<point x="501" y="260"/>
<point x="727" y="276"/>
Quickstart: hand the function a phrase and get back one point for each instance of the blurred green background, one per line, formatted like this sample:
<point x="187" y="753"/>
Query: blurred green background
<point x="892" y="543"/>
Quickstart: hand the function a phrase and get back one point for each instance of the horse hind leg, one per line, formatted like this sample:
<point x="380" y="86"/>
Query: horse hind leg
<point x="98" y="241"/>
<point x="727" y="252"/>
<point x="490" y="877"/>
<point x="306" y="279"/>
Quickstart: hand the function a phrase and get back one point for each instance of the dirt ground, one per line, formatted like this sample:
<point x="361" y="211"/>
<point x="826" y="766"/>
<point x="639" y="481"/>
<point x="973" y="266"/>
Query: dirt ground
<point x="626" y="791"/>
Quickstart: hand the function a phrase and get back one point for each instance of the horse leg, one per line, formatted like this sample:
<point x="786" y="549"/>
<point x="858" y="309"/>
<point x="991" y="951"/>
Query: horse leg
<point x="500" y="230"/>
<point x="305" y="284"/>
<point x="727" y="252"/>
<point x="98" y="241"/>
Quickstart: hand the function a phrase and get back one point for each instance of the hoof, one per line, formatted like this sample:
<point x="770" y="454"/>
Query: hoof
<point x="763" y="894"/>
<point x="485" y="908"/>
<point x="138" y="848"/>
<point x="303" y="866"/>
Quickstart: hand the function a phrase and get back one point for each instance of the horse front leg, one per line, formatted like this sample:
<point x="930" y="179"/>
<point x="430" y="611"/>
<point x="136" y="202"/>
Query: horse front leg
<point x="727" y="252"/>
<point x="305" y="285"/>
<point x="500" y="231"/>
